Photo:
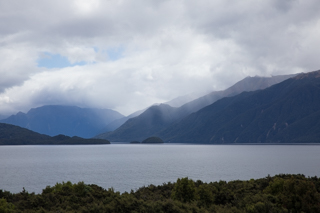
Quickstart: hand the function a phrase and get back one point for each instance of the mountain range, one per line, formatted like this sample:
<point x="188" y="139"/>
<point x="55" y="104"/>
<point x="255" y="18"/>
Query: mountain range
<point x="288" y="112"/>
<point x="67" y="120"/>
<point x="278" y="109"/>
<point x="159" y="117"/>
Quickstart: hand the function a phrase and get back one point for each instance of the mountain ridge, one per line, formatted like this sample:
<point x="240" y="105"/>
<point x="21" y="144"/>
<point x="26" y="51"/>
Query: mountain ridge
<point x="282" y="113"/>
<point x="156" y="118"/>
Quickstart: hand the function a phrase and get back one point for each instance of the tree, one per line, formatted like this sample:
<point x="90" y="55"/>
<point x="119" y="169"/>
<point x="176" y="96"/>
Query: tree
<point x="6" y="207"/>
<point x="205" y="195"/>
<point x="184" y="190"/>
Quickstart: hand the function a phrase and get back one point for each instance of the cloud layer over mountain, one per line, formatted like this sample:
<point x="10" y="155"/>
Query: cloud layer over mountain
<point x="126" y="55"/>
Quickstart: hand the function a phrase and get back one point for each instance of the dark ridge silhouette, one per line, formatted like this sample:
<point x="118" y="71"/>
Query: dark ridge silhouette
<point x="288" y="112"/>
<point x="15" y="135"/>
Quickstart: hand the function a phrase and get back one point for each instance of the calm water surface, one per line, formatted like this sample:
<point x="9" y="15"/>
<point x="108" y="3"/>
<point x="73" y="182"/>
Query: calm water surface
<point x="126" y="166"/>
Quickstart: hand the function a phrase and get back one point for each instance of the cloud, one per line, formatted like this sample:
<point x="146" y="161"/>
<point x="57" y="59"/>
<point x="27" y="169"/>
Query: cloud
<point x="126" y="55"/>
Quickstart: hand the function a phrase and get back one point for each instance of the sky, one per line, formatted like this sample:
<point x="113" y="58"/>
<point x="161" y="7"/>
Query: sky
<point x="127" y="55"/>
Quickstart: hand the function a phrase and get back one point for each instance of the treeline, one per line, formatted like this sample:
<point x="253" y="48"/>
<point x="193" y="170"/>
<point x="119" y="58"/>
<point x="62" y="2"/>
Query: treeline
<point x="281" y="193"/>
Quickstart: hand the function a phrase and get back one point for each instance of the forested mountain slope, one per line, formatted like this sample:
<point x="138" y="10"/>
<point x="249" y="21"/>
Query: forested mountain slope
<point x="154" y="119"/>
<point x="160" y="117"/>
<point x="288" y="112"/>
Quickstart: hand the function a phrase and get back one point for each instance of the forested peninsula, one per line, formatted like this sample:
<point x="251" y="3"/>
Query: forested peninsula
<point x="280" y="193"/>
<point x="15" y="135"/>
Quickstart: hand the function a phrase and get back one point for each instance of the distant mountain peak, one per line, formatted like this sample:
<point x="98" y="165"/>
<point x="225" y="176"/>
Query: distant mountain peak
<point x="314" y="74"/>
<point x="68" y="120"/>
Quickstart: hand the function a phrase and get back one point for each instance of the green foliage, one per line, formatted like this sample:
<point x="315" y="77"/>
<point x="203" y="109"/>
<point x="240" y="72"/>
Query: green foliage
<point x="281" y="193"/>
<point x="206" y="194"/>
<point x="295" y="193"/>
<point x="184" y="190"/>
<point x="6" y="207"/>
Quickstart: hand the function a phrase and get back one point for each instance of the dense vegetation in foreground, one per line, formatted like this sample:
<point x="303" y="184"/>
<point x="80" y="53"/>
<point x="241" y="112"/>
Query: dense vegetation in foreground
<point x="281" y="193"/>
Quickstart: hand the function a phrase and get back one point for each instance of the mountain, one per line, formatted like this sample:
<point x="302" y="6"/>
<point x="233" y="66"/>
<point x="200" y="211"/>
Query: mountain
<point x="288" y="112"/>
<point x="160" y="117"/>
<point x="15" y="135"/>
<point x="118" y="122"/>
<point x="3" y="116"/>
<point x="154" y="119"/>
<point x="67" y="120"/>
<point x="181" y="100"/>
<point x="247" y="84"/>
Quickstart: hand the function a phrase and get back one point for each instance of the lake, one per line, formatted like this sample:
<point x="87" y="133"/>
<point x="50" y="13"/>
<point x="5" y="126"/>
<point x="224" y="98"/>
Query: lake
<point x="127" y="166"/>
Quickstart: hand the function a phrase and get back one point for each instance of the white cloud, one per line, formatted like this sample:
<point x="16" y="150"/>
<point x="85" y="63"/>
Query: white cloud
<point x="138" y="53"/>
